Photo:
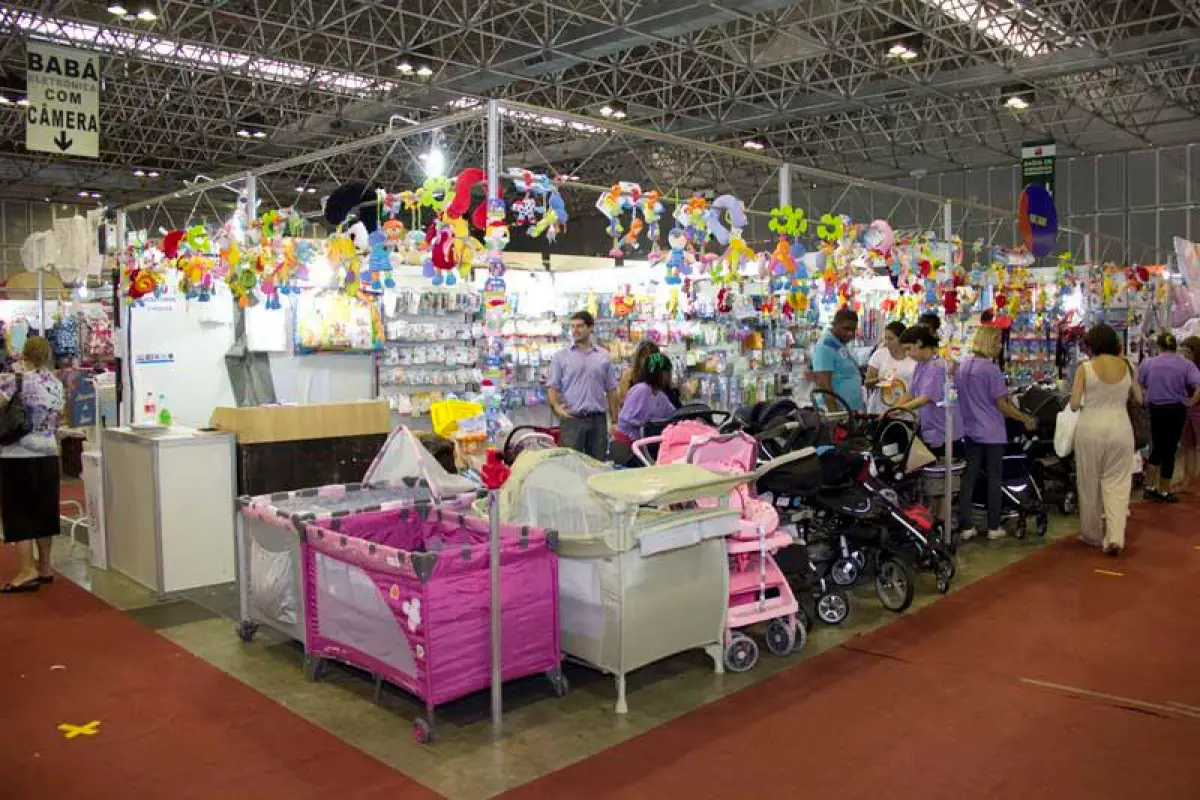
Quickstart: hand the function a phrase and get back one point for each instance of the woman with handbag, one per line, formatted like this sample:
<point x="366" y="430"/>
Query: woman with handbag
<point x="29" y="472"/>
<point x="1104" y="439"/>
<point x="1172" y="386"/>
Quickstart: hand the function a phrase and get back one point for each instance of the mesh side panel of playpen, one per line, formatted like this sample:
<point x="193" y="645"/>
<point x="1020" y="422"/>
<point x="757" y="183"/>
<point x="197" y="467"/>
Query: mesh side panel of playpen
<point x="549" y="489"/>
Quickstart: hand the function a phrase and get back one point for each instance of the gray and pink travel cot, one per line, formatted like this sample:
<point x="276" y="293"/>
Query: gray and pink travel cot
<point x="403" y="593"/>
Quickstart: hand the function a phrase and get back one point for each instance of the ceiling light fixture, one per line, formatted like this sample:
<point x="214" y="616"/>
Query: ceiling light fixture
<point x="83" y="194"/>
<point x="1017" y="97"/>
<point x="435" y="162"/>
<point x="242" y="132"/>
<point x="4" y="101"/>
<point x="152" y="174"/>
<point x="310" y="190"/>
<point x="405" y="66"/>
<point x="902" y="51"/>
<point x="117" y="10"/>
<point x="424" y="71"/>
<point x="95" y="195"/>
<point x="614" y="110"/>
<point x="23" y="102"/>
<point x="139" y="173"/>
<point x="146" y="14"/>
<point x="260" y="134"/>
<point x="753" y="144"/>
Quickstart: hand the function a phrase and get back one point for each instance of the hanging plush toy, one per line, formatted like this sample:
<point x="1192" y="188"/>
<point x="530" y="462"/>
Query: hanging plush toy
<point x="831" y="228"/>
<point x="379" y="264"/>
<point x="677" y="263"/>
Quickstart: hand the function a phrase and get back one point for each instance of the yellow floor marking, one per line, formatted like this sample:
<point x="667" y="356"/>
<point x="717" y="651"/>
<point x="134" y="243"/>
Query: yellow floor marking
<point x="1109" y="572"/>
<point x="71" y="731"/>
<point x="1168" y="708"/>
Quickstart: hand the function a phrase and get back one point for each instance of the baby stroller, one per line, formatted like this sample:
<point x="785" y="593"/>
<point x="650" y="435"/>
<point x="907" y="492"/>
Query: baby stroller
<point x="528" y="437"/>
<point x="758" y="591"/>
<point x="1020" y="492"/>
<point x="854" y="523"/>
<point x="1054" y="476"/>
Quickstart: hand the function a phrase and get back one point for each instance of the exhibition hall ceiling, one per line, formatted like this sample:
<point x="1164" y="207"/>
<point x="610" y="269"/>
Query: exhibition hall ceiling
<point x="873" y="89"/>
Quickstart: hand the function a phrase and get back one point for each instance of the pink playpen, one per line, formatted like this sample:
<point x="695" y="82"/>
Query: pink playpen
<point x="403" y="593"/>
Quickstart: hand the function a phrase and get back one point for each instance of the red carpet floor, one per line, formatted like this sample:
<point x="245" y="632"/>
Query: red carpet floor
<point x="941" y="704"/>
<point x="171" y="726"/>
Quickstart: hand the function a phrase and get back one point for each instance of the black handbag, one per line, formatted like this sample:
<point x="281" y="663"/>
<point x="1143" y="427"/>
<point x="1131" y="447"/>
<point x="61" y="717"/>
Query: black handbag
<point x="1139" y="417"/>
<point x="14" y="418"/>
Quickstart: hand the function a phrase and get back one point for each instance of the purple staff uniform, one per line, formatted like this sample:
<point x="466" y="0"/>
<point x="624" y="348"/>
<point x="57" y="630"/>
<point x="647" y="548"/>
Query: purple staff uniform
<point x="980" y="384"/>
<point x="929" y="382"/>
<point x="642" y="405"/>
<point x="584" y="378"/>
<point x="1168" y="378"/>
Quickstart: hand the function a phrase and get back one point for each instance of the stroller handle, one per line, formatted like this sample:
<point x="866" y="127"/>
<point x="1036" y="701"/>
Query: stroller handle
<point x="639" y="448"/>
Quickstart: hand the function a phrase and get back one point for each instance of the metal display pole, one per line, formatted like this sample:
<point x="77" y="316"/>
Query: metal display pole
<point x="246" y="626"/>
<point x="124" y="342"/>
<point x="493" y="191"/>
<point x="948" y="398"/>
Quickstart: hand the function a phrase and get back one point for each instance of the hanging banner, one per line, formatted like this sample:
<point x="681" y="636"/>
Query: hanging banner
<point x="1037" y="164"/>
<point x="1037" y="220"/>
<point x="63" y="88"/>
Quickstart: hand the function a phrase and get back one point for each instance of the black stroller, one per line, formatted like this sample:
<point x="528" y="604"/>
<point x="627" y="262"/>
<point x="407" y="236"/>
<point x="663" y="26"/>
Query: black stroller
<point x="1054" y="476"/>
<point x="1021" y="493"/>
<point x="850" y="522"/>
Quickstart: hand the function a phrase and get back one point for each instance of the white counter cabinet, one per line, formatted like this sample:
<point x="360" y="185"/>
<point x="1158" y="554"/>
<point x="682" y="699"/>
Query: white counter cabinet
<point x="169" y="504"/>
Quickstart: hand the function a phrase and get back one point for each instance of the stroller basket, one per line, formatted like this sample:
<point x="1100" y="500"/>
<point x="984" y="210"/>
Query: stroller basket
<point x="933" y="479"/>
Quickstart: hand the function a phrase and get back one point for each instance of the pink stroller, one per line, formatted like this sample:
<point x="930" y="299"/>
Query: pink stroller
<point x="758" y="590"/>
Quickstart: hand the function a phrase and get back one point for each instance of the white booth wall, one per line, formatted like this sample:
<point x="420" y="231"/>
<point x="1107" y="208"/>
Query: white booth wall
<point x="178" y="350"/>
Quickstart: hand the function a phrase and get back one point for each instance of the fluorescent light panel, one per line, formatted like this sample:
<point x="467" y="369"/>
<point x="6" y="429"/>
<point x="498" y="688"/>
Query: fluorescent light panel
<point x="204" y="57"/>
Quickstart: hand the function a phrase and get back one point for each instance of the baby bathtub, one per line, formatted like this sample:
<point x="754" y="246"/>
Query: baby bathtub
<point x="403" y="593"/>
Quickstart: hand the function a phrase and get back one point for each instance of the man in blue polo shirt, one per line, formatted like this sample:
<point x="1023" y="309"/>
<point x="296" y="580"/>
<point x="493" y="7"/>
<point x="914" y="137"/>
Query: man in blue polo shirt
<point x="833" y="368"/>
<point x="583" y="390"/>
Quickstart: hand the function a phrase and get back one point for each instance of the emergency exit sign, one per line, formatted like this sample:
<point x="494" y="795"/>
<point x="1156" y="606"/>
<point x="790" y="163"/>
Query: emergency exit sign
<point x="63" y="88"/>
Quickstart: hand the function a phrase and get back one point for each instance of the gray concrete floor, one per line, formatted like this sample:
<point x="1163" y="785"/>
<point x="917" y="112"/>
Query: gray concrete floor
<point x="542" y="734"/>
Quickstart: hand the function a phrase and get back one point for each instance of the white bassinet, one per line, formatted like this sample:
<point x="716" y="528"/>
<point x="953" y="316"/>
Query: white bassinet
<point x="637" y="582"/>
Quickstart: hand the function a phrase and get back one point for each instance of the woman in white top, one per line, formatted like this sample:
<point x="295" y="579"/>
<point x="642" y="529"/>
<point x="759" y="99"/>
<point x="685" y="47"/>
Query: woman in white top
<point x="29" y="471"/>
<point x="1104" y="443"/>
<point x="889" y="372"/>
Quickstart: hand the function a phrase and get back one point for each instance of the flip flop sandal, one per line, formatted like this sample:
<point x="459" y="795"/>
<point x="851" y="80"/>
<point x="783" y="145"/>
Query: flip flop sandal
<point x="21" y="588"/>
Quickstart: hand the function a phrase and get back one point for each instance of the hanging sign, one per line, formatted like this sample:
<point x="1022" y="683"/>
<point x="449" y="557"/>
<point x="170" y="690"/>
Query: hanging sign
<point x="1037" y="220"/>
<point x="63" y="87"/>
<point x="1037" y="165"/>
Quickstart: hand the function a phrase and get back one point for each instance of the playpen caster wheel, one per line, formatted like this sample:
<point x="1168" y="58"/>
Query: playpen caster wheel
<point x="844" y="571"/>
<point x="558" y="682"/>
<point x="1041" y="524"/>
<point x="315" y="668"/>
<point x="246" y="630"/>
<point x="741" y="654"/>
<point x="422" y="731"/>
<point x="894" y="584"/>
<point x="833" y="608"/>
<point x="1069" y="504"/>
<point x="781" y="637"/>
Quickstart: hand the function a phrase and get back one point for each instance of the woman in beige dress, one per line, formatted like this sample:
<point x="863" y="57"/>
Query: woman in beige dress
<point x="1104" y="440"/>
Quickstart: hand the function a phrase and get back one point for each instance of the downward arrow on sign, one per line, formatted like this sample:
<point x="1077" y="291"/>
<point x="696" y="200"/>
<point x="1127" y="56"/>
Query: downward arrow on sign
<point x="63" y="142"/>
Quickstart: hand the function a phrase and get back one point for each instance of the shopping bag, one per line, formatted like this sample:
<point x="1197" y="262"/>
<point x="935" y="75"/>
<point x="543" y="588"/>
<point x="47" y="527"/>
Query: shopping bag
<point x="1064" y="431"/>
<point x="919" y="456"/>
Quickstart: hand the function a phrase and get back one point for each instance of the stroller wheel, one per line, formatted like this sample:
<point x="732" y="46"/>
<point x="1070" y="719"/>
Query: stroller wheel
<point x="894" y="584"/>
<point x="944" y="571"/>
<point x="1042" y="523"/>
<point x="833" y="607"/>
<point x="1022" y="529"/>
<point x="804" y="620"/>
<point x="1069" y="504"/>
<point x="845" y="571"/>
<point x="741" y="654"/>
<point x="784" y="637"/>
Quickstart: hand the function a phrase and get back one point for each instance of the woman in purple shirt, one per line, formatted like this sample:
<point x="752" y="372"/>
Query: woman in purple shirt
<point x="648" y="399"/>
<point x="1189" y="444"/>
<point x="927" y="393"/>
<point x="1172" y="386"/>
<point x="983" y="398"/>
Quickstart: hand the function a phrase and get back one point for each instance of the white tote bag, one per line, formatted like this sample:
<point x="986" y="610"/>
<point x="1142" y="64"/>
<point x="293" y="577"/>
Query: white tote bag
<point x="1064" y="431"/>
